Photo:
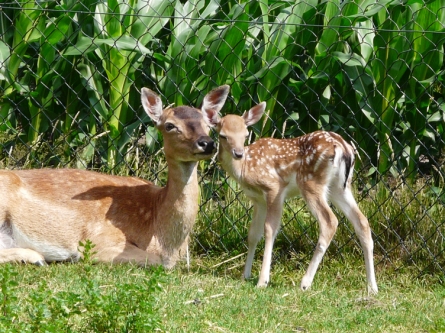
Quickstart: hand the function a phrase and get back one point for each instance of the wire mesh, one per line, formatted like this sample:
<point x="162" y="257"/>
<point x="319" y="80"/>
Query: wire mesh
<point x="71" y="73"/>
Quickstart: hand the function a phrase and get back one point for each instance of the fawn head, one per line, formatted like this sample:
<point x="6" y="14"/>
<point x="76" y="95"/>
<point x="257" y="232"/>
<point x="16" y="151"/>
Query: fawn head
<point x="232" y="129"/>
<point x="185" y="132"/>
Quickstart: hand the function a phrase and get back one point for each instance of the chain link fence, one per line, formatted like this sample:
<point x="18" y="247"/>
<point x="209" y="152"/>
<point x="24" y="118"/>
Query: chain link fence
<point x="71" y="73"/>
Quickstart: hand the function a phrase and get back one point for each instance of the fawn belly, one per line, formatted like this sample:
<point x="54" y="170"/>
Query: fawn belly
<point x="288" y="188"/>
<point x="291" y="188"/>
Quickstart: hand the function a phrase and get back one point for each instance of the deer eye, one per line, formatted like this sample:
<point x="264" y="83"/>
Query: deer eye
<point x="169" y="127"/>
<point x="223" y="137"/>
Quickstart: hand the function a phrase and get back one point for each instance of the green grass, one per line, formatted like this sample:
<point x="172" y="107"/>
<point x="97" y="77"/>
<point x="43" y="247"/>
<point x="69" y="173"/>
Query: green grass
<point x="337" y="302"/>
<point x="208" y="297"/>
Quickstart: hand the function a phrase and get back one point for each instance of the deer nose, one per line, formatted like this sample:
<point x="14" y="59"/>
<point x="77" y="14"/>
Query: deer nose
<point x="206" y="144"/>
<point x="237" y="153"/>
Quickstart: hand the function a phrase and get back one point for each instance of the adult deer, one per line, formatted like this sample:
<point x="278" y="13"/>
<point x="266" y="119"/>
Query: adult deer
<point x="45" y="213"/>
<point x="317" y="166"/>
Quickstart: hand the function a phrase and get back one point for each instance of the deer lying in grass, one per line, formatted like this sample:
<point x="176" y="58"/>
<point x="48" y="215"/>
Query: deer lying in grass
<point x="45" y="213"/>
<point x="317" y="166"/>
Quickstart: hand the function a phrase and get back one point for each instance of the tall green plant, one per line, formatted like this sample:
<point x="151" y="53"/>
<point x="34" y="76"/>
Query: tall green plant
<point x="27" y="75"/>
<point x="279" y="42"/>
<point x="381" y="63"/>
<point x="388" y="69"/>
<point x="119" y="38"/>
<point x="28" y="22"/>
<point x="370" y="69"/>
<point x="227" y="58"/>
<point x="191" y="35"/>
<point x="428" y="58"/>
<point x="48" y="69"/>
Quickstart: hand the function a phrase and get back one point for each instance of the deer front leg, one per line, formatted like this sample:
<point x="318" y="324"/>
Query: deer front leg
<point x="271" y="227"/>
<point x="328" y="225"/>
<point x="129" y="253"/>
<point x="20" y="255"/>
<point x="255" y="233"/>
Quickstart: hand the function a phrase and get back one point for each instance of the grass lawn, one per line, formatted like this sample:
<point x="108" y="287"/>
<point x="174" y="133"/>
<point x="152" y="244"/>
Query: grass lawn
<point x="207" y="300"/>
<point x="211" y="297"/>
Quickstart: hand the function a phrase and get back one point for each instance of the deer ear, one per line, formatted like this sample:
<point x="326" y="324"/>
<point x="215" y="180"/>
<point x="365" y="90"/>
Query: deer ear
<point x="254" y="114"/>
<point x="152" y="104"/>
<point x="214" y="100"/>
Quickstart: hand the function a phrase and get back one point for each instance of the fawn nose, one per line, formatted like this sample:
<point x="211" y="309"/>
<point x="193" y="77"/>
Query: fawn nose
<point x="237" y="153"/>
<point x="206" y="144"/>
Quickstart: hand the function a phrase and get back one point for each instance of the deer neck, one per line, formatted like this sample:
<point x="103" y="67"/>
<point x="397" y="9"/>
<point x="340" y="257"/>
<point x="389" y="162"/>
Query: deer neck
<point x="180" y="199"/>
<point x="234" y="167"/>
<point x="182" y="189"/>
<point x="177" y="208"/>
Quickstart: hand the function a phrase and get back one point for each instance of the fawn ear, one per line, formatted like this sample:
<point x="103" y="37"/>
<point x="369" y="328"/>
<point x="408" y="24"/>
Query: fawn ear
<point x="152" y="104"/>
<point x="211" y="117"/>
<point x="254" y="114"/>
<point x="213" y="103"/>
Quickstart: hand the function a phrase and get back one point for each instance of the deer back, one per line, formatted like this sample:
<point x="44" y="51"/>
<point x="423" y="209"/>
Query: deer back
<point x="316" y="159"/>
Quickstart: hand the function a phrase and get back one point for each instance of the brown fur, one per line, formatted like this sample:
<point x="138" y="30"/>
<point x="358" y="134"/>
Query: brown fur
<point x="44" y="214"/>
<point x="317" y="166"/>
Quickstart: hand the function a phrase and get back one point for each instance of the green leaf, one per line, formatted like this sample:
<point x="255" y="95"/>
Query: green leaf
<point x="370" y="115"/>
<point x="370" y="8"/>
<point x="93" y="83"/>
<point x="4" y="59"/>
<point x="435" y="117"/>
<point x="57" y="30"/>
<point x="349" y="59"/>
<point x="86" y="45"/>
<point x="231" y="45"/>
<point x="151" y="17"/>
<point x="371" y="171"/>
<point x="429" y="134"/>
<point x="151" y="137"/>
<point x="275" y="65"/>
<point x="112" y="19"/>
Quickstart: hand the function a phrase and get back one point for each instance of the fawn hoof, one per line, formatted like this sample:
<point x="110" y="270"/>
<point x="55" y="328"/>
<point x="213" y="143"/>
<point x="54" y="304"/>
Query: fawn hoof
<point x="304" y="288"/>
<point x="305" y="284"/>
<point x="372" y="290"/>
<point x="261" y="284"/>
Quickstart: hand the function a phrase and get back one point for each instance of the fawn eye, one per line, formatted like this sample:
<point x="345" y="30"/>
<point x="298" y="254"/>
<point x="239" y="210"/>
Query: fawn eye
<point x="169" y="127"/>
<point x="223" y="137"/>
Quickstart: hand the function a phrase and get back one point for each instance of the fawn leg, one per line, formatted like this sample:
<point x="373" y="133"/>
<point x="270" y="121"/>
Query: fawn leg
<point x="328" y="225"/>
<point x="344" y="200"/>
<point x="255" y="233"/>
<point x="271" y="227"/>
